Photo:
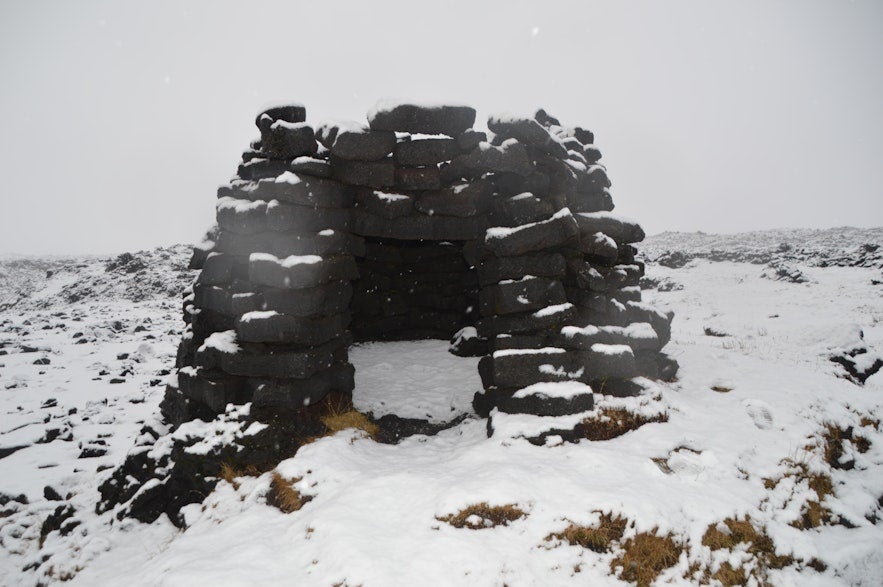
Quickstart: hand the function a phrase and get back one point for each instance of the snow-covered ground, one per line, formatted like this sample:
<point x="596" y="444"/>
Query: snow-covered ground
<point x="755" y="393"/>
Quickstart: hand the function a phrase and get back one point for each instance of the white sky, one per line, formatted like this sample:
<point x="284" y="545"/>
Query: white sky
<point x="119" y="119"/>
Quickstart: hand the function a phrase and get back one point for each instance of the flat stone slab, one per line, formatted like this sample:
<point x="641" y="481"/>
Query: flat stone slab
<point x="427" y="119"/>
<point x="299" y="271"/>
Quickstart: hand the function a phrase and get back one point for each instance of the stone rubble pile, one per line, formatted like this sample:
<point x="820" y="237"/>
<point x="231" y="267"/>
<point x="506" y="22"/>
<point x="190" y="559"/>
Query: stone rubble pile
<point x="416" y="225"/>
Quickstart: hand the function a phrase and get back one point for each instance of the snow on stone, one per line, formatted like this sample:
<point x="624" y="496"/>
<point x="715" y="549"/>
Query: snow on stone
<point x="387" y="197"/>
<point x="386" y="105"/>
<point x="611" y="349"/>
<point x="543" y="351"/>
<point x="287" y="262"/>
<point x="555" y="389"/>
<point x="224" y="342"/>
<point x="256" y="316"/>
<point x="550" y="310"/>
<point x="504" y="231"/>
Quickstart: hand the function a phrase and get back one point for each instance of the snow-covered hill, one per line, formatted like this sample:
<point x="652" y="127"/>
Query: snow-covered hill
<point x="763" y="463"/>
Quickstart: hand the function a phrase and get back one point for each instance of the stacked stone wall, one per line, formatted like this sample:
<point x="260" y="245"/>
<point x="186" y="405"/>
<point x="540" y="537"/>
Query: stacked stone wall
<point x="416" y="225"/>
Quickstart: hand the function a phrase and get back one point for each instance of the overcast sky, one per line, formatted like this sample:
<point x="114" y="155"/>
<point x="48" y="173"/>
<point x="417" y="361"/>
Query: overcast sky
<point x="118" y="120"/>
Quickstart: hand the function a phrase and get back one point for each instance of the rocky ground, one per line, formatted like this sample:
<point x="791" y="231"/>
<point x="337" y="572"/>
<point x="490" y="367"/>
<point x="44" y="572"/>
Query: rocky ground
<point x="763" y="463"/>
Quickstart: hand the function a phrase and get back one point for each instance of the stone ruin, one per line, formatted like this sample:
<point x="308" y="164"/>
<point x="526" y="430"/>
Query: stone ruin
<point x="415" y="226"/>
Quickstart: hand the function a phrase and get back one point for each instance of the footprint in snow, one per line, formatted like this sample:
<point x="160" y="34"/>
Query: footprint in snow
<point x="760" y="413"/>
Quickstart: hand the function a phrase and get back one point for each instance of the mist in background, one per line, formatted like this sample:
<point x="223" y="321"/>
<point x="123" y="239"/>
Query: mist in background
<point x="118" y="120"/>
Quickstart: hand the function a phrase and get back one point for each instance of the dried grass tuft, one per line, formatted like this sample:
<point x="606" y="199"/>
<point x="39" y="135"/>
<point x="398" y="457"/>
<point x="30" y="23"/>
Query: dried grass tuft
<point x="610" y="423"/>
<point x="482" y="515"/>
<point x="645" y="556"/>
<point x="283" y="496"/>
<point x="596" y="538"/>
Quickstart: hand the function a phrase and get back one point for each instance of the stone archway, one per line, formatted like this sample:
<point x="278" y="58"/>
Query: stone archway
<point x="322" y="232"/>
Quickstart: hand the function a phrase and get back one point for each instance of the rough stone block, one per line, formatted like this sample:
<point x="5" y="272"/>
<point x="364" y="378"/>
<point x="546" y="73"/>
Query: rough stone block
<point x="511" y="157"/>
<point x="302" y="190"/>
<point x="286" y="217"/>
<point x="299" y="271"/>
<point x="418" y="178"/>
<point x="356" y="142"/>
<point x="521" y="295"/>
<point x="619" y="228"/>
<point x="287" y="140"/>
<point x="272" y="360"/>
<point x="289" y="113"/>
<point x="422" y="119"/>
<point x="417" y="152"/>
<point x="282" y="244"/>
<point x="495" y="269"/>
<point x="520" y="209"/>
<point x="376" y="174"/>
<point x="528" y="131"/>
<point x="242" y="216"/>
<point x="314" y="166"/>
<point x="558" y="230"/>
<point x="261" y="168"/>
<point x="419" y="227"/>
<point x="461" y="200"/>
<point x="271" y="326"/>
<point x="545" y="321"/>
<point x="384" y="203"/>
<point x="293" y="394"/>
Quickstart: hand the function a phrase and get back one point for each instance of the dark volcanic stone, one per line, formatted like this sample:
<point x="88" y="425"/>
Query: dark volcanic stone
<point x="286" y="140"/>
<point x="274" y="361"/>
<point x="619" y="229"/>
<point x="376" y="174"/>
<point x="385" y="204"/>
<point x="417" y="119"/>
<point x="353" y="141"/>
<point x="528" y="131"/>
<point x="558" y="230"/>
<point x="311" y="166"/>
<point x="284" y="244"/>
<point x="510" y="157"/>
<point x="464" y="199"/>
<point x="471" y="139"/>
<point x="293" y="394"/>
<point x="520" y="209"/>
<point x="590" y="202"/>
<point x="543" y="322"/>
<point x="540" y="404"/>
<point x="426" y="151"/>
<point x="418" y="178"/>
<point x="289" y="113"/>
<point x="300" y="271"/>
<point x="305" y="219"/>
<point x="522" y="295"/>
<point x="261" y="168"/>
<point x="495" y="269"/>
<point x="293" y="188"/>
<point x="274" y="327"/>
<point x="419" y="227"/>
<point x="467" y="343"/>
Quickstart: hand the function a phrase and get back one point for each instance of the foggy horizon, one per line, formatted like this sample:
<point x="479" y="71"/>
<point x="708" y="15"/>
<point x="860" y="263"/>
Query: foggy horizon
<point x="117" y="123"/>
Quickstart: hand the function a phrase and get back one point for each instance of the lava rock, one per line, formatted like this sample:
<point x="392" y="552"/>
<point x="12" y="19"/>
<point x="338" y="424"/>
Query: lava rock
<point x="422" y="119"/>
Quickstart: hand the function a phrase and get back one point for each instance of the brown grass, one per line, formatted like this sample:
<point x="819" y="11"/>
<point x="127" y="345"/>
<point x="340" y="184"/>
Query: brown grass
<point x="338" y="414"/>
<point x="596" y="538"/>
<point x="721" y="389"/>
<point x="491" y="516"/>
<point x="645" y="556"/>
<point x="814" y="513"/>
<point x="613" y="422"/>
<point x="283" y="496"/>
<point x="229" y="473"/>
<point x="758" y="544"/>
